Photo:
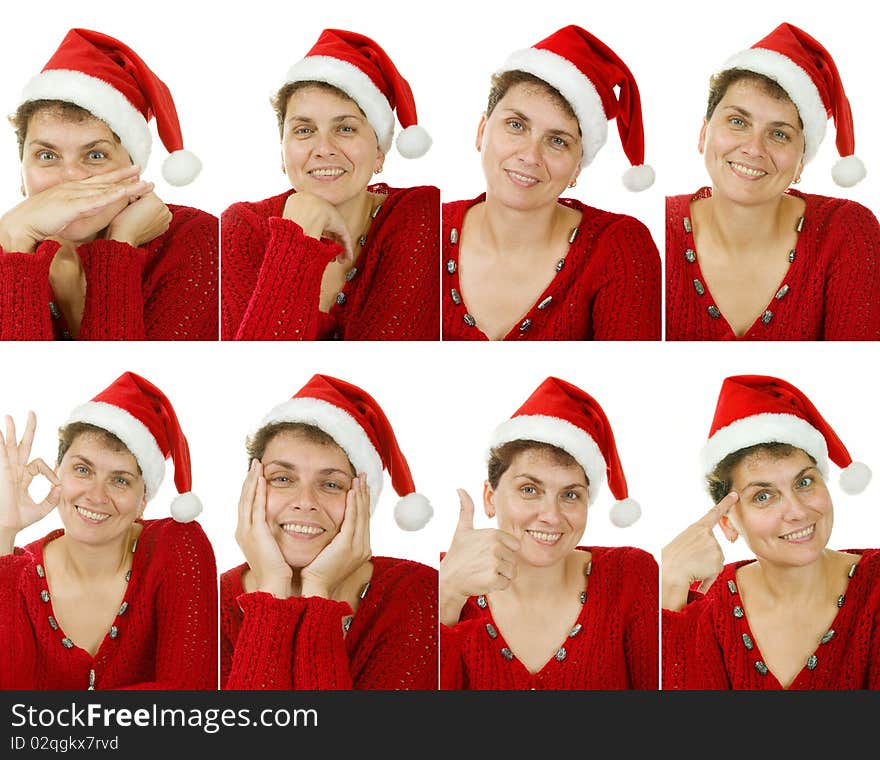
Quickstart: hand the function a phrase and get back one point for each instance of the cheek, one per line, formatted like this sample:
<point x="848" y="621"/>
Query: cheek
<point x="37" y="180"/>
<point x="335" y="508"/>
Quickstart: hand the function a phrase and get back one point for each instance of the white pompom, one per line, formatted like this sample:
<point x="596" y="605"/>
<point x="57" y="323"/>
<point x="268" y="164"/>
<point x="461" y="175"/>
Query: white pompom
<point x="413" y="142"/>
<point x="186" y="507"/>
<point x="625" y="512"/>
<point x="848" y="171"/>
<point x="638" y="178"/>
<point x="181" y="167"/>
<point x="855" y="478"/>
<point x="413" y="511"/>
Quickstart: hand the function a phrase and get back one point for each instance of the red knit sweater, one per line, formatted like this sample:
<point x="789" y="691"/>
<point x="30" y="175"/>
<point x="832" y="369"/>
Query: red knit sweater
<point x="616" y="646"/>
<point x="164" y="290"/>
<point x="705" y="644"/>
<point x="608" y="286"/>
<point x="272" y="273"/>
<point x="164" y="636"/>
<point x="299" y="643"/>
<point x="830" y="292"/>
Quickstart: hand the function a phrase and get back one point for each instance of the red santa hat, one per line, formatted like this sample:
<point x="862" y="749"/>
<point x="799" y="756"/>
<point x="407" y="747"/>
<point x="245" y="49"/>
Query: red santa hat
<point x="598" y="86"/>
<point x="755" y="409"/>
<point x="356" y="422"/>
<point x="363" y="71"/>
<point x="562" y="415"/>
<point x="110" y="81"/>
<point x="806" y="71"/>
<point x="141" y="416"/>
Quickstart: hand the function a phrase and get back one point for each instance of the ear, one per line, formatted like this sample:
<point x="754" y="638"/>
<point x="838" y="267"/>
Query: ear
<point x="488" y="500"/>
<point x="283" y="167"/>
<point x="728" y="529"/>
<point x="480" y="129"/>
<point x="380" y="160"/>
<point x="701" y="146"/>
<point x="577" y="173"/>
<point x="21" y="187"/>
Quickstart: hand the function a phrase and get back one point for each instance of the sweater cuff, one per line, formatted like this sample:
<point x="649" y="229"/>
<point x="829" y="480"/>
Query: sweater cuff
<point x="320" y="657"/>
<point x="25" y="294"/>
<point x="114" y="305"/>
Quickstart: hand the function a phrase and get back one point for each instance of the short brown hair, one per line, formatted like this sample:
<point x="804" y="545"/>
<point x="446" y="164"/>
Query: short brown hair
<point x="719" y="84"/>
<point x="257" y="443"/>
<point x="70" y="432"/>
<point x="502" y="456"/>
<point x="720" y="481"/>
<point x="502" y="82"/>
<point x="280" y="99"/>
<point x="64" y="110"/>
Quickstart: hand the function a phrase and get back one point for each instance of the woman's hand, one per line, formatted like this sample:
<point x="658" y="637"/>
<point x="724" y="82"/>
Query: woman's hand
<point x="17" y="509"/>
<point x="320" y="219"/>
<point x="478" y="561"/>
<point x="694" y="555"/>
<point x="271" y="572"/>
<point x="143" y="220"/>
<point x="349" y="549"/>
<point x="47" y="214"/>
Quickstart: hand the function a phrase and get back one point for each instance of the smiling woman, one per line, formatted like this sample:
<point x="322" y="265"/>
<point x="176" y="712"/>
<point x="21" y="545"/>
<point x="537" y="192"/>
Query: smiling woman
<point x="92" y="253"/>
<point x="750" y="258"/>
<point x="337" y="257"/>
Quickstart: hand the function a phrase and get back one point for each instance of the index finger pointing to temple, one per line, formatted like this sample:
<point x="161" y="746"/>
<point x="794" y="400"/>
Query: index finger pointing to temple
<point x="711" y="518"/>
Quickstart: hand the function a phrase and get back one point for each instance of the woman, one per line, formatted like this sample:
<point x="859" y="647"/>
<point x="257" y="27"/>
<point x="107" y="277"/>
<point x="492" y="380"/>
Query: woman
<point x="559" y="270"/>
<point x="92" y="253"/>
<point x="337" y="257"/>
<point x="751" y="258"/>
<point x="311" y="608"/>
<point x="526" y="607"/>
<point x="112" y="601"/>
<point x="800" y="615"/>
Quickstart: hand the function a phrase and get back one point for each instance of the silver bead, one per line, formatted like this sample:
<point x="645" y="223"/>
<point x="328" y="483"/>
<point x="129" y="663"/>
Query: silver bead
<point x="52" y="624"/>
<point x="364" y="590"/>
<point x="698" y="286"/>
<point x="134" y="547"/>
<point x="44" y="595"/>
<point x="829" y="634"/>
<point x="347" y="624"/>
<point x="560" y="264"/>
<point x="561" y="654"/>
<point x="791" y="255"/>
<point x="376" y="211"/>
<point x="575" y="631"/>
<point x="589" y="568"/>
<point x="361" y="240"/>
<point x="781" y="292"/>
<point x="453" y="236"/>
<point x="761" y="668"/>
<point x="40" y="571"/>
<point x="526" y="324"/>
<point x="583" y="597"/>
<point x="506" y="654"/>
<point x="731" y="586"/>
<point x="687" y="224"/>
<point x="350" y="274"/>
<point x="738" y="611"/>
<point x="54" y="311"/>
<point x="545" y="303"/>
<point x="747" y="642"/>
<point x="67" y="643"/>
<point x="766" y="317"/>
<point x="490" y="629"/>
<point x="114" y="631"/>
<point x="800" y="225"/>
<point x="574" y="234"/>
<point x="713" y="312"/>
<point x="92" y="679"/>
<point x="469" y="320"/>
<point x="123" y="607"/>
<point x="690" y="255"/>
<point x="852" y="570"/>
<point x="481" y="602"/>
<point x="840" y="600"/>
<point x="451" y="266"/>
<point x="456" y="298"/>
<point x="128" y="576"/>
<point x="340" y="299"/>
<point x="812" y="662"/>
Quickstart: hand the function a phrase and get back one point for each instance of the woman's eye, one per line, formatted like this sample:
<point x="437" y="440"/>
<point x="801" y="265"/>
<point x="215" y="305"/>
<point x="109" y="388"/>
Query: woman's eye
<point x="45" y="155"/>
<point x="778" y="134"/>
<point x="346" y="129"/>
<point x="81" y="469"/>
<point x="805" y="482"/>
<point x="572" y="495"/>
<point x="279" y="480"/>
<point x="97" y="155"/>
<point x="528" y="490"/>
<point x="762" y="497"/>
<point x="514" y="124"/>
<point x="121" y="482"/>
<point x="303" y="131"/>
<point x="558" y="142"/>
<point x="334" y="486"/>
<point x="736" y="121"/>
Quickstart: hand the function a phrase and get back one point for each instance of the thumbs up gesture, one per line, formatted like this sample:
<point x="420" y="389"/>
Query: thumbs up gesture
<point x="478" y="561"/>
<point x="694" y="555"/>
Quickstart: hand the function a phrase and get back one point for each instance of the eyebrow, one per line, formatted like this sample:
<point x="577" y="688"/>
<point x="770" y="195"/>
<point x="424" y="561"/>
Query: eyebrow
<point x="748" y="115"/>
<point x="87" y="146"/>
<point x="291" y="466"/>
<point x="335" y="119"/>
<point x="522" y="117"/>
<point x="88" y="462"/>
<point x="541" y="483"/>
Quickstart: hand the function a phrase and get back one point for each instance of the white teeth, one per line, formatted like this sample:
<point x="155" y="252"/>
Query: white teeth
<point x="326" y="172"/>
<point x="748" y="171"/>
<point x="92" y="515"/>
<point x="552" y="537"/>
<point x="522" y="177"/>
<point x="803" y="533"/>
<point x="310" y="530"/>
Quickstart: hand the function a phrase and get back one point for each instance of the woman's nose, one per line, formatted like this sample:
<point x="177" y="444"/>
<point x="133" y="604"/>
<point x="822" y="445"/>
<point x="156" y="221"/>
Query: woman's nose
<point x="73" y="171"/>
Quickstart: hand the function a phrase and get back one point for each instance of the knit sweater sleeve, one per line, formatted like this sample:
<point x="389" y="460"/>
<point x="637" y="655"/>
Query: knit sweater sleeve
<point x="186" y="608"/>
<point x="852" y="291"/>
<point x="453" y="640"/>
<point x="627" y="305"/>
<point x="641" y="635"/>
<point x="272" y="274"/>
<point x="692" y="657"/>
<point x="18" y="650"/>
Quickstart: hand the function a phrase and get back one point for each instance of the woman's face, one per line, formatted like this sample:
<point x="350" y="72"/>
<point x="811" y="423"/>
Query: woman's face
<point x="752" y="145"/>
<point x="530" y="148"/>
<point x="102" y="490"/>
<point x="542" y="503"/>
<point x="784" y="511"/>
<point x="58" y="149"/>
<point x="306" y="484"/>
<point x="328" y="146"/>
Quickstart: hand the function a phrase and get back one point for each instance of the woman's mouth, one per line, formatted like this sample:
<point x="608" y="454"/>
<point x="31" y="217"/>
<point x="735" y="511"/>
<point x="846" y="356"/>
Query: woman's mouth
<point x="547" y="538"/>
<point x="91" y="517"/>
<point x="747" y="172"/>
<point x="801" y="535"/>
<point x="327" y="174"/>
<point x="521" y="180"/>
<point x="302" y="531"/>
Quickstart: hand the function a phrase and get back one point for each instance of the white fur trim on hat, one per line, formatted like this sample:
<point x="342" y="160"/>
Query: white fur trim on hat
<point x="576" y="88"/>
<point x="99" y="99"/>
<point x="181" y="167"/>
<point x="797" y="83"/>
<point x="357" y="85"/>
<point x="342" y="428"/>
<point x="186" y="507"/>
<point x="765" y="428"/>
<point x="562" y="434"/>
<point x="413" y="511"/>
<point x="132" y="432"/>
<point x="848" y="171"/>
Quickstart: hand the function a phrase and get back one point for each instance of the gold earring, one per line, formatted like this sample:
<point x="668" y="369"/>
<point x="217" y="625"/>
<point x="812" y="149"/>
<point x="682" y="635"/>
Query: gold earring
<point x="573" y="183"/>
<point x="379" y="170"/>
<point x="796" y="180"/>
